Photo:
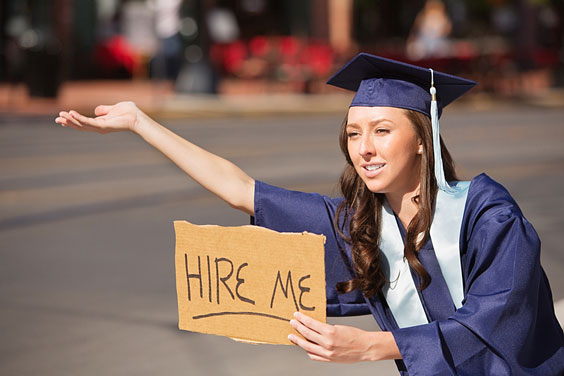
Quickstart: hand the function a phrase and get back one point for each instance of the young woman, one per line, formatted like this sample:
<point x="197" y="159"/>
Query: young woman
<point x="450" y="270"/>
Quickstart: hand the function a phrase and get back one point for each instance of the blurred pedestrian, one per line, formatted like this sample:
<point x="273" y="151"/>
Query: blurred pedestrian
<point x="429" y="34"/>
<point x="168" y="58"/>
<point x="449" y="269"/>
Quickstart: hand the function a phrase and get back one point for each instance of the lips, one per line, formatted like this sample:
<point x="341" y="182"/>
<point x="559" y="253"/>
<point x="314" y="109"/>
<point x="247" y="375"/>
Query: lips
<point x="372" y="169"/>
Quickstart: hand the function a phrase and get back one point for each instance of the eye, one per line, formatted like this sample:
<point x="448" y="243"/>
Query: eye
<point x="382" y="130"/>
<point x="352" y="134"/>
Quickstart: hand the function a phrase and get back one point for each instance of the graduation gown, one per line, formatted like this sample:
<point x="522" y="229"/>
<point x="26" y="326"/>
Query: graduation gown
<point x="506" y="325"/>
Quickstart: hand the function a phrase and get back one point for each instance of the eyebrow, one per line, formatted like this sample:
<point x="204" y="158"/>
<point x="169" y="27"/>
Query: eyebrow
<point x="372" y="122"/>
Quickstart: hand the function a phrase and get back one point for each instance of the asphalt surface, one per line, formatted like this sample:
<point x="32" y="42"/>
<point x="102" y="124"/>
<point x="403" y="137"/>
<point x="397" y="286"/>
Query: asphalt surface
<point x="87" y="243"/>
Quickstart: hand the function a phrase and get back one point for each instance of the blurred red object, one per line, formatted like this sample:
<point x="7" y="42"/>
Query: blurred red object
<point x="116" y="57"/>
<point x="230" y="56"/>
<point x="259" y="46"/>
<point x="289" y="48"/>
<point x="285" y="58"/>
<point x="319" y="58"/>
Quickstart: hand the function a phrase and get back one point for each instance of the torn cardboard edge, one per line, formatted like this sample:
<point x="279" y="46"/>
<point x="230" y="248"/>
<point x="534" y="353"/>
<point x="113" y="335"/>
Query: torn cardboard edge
<point x="246" y="282"/>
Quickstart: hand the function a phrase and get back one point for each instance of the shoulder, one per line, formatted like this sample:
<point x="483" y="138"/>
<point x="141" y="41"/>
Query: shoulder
<point x="267" y="191"/>
<point x="493" y="224"/>
<point x="494" y="227"/>
<point x="489" y="204"/>
<point x="279" y="205"/>
<point x="486" y="196"/>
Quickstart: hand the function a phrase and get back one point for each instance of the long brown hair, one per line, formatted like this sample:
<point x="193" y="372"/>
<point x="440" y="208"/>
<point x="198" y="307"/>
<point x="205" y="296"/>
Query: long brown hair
<point x="361" y="211"/>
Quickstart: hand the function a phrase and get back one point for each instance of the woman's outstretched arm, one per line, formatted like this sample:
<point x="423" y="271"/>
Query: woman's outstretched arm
<point x="214" y="173"/>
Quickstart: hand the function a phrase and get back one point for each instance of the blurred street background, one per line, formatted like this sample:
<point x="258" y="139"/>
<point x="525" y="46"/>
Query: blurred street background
<point x="62" y="49"/>
<point x="87" y="281"/>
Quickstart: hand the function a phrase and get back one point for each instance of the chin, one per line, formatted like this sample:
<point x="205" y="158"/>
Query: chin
<point x="375" y="187"/>
<point x="377" y="190"/>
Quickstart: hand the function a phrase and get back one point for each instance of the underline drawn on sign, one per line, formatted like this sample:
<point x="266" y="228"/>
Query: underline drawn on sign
<point x="239" y="313"/>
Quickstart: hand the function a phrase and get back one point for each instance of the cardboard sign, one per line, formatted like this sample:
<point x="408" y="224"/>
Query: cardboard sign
<point x="246" y="282"/>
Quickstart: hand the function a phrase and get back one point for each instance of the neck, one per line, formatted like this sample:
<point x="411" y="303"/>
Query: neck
<point x="402" y="204"/>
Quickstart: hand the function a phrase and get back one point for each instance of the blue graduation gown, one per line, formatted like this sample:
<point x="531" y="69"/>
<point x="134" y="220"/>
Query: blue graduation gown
<point x="506" y="325"/>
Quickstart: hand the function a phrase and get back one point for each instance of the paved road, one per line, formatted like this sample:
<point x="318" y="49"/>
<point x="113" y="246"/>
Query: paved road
<point x="86" y="238"/>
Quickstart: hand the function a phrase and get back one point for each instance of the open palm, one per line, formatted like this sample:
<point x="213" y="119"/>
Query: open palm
<point x="119" y="117"/>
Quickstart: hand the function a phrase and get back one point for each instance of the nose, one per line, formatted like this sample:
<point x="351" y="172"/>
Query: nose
<point x="367" y="149"/>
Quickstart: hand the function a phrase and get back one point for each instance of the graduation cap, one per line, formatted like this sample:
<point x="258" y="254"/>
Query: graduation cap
<point x="389" y="83"/>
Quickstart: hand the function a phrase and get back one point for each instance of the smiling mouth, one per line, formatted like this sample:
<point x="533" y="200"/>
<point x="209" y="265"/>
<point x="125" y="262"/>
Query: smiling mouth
<point x="374" y="167"/>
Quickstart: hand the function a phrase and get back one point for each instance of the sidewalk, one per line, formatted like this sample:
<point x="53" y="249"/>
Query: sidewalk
<point x="160" y="100"/>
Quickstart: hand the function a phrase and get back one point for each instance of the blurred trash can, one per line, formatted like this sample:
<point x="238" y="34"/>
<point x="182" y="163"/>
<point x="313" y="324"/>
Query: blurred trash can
<point x="43" y="65"/>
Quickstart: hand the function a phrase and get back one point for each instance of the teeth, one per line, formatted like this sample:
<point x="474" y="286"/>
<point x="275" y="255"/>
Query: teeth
<point x="373" y="167"/>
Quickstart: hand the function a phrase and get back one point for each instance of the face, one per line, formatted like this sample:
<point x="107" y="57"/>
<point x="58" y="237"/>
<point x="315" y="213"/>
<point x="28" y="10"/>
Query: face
<point x="384" y="149"/>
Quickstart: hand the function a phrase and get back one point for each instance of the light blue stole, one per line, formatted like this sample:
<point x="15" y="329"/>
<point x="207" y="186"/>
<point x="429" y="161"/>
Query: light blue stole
<point x="400" y="291"/>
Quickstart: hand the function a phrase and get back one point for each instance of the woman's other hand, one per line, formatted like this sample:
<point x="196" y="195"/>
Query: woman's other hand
<point x="123" y="116"/>
<point x="343" y="344"/>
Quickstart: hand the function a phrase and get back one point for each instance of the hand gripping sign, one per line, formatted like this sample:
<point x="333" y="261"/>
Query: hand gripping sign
<point x="246" y="282"/>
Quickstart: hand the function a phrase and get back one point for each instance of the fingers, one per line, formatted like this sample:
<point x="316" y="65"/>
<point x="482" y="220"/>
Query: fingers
<point x="307" y="332"/>
<point x="61" y="120"/>
<point x="83" y="119"/>
<point x="318" y="358"/>
<point x="67" y="120"/>
<point x="313" y="324"/>
<point x="315" y="336"/>
<point x="102" y="110"/>
<point x="311" y="348"/>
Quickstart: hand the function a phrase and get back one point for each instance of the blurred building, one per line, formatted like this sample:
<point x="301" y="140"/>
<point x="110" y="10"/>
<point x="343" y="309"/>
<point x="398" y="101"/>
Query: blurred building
<point x="292" y="45"/>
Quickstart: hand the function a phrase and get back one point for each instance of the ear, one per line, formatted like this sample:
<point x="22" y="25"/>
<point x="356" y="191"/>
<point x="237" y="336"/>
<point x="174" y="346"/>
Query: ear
<point x="420" y="147"/>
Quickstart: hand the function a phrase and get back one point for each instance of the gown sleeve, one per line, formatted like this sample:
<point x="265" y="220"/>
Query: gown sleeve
<point x="291" y="211"/>
<point x="506" y="325"/>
